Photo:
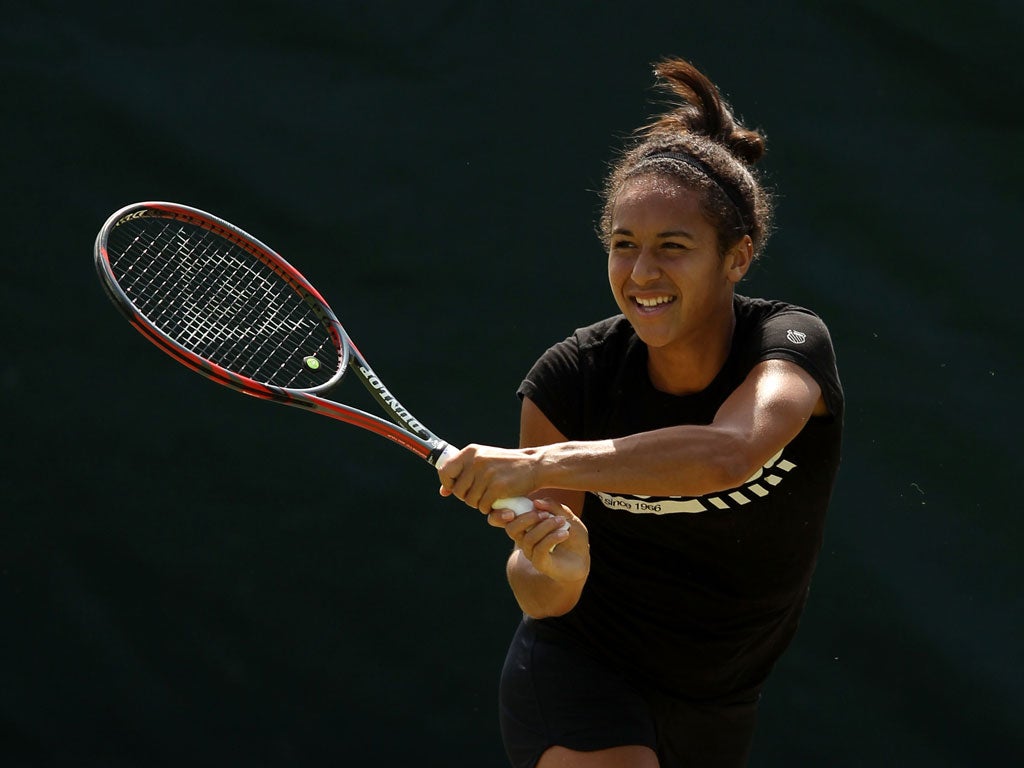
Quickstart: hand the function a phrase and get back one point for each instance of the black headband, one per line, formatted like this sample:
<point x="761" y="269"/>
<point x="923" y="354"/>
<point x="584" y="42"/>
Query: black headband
<point x="727" y="189"/>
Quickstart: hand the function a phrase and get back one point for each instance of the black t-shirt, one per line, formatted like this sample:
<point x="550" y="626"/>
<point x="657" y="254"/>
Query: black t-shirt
<point x="694" y="597"/>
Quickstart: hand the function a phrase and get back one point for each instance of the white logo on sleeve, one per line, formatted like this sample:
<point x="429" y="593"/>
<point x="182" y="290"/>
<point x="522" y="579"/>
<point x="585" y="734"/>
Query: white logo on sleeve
<point x="796" y="337"/>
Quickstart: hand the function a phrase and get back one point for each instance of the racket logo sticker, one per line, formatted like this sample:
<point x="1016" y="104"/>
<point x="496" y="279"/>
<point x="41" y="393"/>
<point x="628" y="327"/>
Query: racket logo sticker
<point x="131" y="216"/>
<point x="390" y="400"/>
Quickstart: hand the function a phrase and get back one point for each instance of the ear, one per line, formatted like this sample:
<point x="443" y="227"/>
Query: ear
<point x="738" y="259"/>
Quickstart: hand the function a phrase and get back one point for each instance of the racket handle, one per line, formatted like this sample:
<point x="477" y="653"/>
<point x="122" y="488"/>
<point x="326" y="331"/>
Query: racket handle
<point x="520" y="505"/>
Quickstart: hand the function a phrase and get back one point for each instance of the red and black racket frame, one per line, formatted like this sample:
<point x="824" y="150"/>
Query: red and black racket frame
<point x="406" y="431"/>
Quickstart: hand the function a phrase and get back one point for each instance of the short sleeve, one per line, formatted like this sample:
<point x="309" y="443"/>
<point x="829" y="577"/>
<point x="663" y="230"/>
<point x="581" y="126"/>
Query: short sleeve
<point x="555" y="385"/>
<point x="801" y="337"/>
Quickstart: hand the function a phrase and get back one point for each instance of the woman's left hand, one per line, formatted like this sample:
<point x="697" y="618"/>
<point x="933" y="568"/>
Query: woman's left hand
<point x="481" y="474"/>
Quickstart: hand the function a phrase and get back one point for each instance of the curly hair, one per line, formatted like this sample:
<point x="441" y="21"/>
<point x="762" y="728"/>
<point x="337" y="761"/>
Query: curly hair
<point x="701" y="145"/>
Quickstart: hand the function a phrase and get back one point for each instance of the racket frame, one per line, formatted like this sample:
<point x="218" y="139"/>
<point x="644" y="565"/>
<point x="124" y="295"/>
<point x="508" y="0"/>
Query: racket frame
<point x="402" y="428"/>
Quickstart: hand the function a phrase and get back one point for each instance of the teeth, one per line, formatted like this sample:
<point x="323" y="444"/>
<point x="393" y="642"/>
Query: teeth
<point x="654" y="302"/>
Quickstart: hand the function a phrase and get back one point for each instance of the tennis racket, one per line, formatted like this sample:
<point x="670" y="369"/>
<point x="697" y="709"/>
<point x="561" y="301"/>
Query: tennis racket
<point x="222" y="303"/>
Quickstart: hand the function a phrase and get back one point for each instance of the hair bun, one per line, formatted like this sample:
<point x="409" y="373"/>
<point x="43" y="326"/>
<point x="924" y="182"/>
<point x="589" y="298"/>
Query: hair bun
<point x="702" y="111"/>
<point x="745" y="144"/>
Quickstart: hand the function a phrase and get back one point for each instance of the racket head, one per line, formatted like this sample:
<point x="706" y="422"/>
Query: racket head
<point x="219" y="301"/>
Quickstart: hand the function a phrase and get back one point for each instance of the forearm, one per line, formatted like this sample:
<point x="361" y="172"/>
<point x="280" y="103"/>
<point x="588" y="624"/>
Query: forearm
<point x="677" y="461"/>
<point x="538" y="595"/>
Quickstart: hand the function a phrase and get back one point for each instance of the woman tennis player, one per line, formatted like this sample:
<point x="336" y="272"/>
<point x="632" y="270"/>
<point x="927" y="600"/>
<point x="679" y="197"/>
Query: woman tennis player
<point x="692" y="443"/>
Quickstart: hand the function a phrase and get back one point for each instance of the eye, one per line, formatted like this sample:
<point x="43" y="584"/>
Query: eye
<point x="622" y="244"/>
<point x="672" y="245"/>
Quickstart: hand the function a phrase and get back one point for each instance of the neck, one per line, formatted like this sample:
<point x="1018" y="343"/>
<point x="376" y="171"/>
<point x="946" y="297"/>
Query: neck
<point x="691" y="365"/>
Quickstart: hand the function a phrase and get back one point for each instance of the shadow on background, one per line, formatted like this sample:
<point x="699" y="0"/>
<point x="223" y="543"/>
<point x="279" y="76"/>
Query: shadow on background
<point x="193" y="578"/>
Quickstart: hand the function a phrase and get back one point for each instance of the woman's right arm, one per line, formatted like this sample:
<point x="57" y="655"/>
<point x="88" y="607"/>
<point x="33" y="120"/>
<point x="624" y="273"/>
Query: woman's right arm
<point x="548" y="567"/>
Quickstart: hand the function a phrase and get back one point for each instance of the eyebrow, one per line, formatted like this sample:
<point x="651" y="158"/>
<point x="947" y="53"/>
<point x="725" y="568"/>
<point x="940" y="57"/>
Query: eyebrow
<point x="670" y="233"/>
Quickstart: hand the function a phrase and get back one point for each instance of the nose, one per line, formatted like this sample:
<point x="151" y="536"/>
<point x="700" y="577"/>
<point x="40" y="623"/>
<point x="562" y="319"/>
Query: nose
<point x="645" y="268"/>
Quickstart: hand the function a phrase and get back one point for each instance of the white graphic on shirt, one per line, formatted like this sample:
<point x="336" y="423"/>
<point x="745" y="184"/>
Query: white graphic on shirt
<point x="796" y="337"/>
<point x="759" y="485"/>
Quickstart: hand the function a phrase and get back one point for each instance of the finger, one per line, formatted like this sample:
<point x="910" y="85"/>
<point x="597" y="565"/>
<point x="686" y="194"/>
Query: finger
<point x="544" y="536"/>
<point x="519" y="528"/>
<point x="471" y="493"/>
<point x="551" y="506"/>
<point x="447" y="468"/>
<point x="500" y="518"/>
<point x="554" y="508"/>
<point x="520" y="525"/>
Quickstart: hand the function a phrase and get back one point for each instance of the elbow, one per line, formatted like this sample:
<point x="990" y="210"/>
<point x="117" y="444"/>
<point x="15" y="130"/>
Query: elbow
<point x="547" y="609"/>
<point x="543" y="598"/>
<point x="733" y="474"/>
<point x="730" y="467"/>
<point x="539" y="596"/>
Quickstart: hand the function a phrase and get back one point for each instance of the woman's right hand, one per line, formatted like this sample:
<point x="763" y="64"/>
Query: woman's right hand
<point x="559" y="551"/>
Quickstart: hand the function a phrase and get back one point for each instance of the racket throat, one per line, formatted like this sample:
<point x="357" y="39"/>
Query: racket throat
<point x="398" y="412"/>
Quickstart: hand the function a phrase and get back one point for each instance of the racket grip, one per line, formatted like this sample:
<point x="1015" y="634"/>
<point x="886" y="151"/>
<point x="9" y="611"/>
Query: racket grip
<point x="520" y="505"/>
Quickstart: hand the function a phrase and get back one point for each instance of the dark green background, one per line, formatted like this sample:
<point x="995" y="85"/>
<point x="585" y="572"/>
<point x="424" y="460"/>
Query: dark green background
<point x="189" y="577"/>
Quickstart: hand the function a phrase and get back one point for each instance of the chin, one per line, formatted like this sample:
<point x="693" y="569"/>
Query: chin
<point x="653" y="338"/>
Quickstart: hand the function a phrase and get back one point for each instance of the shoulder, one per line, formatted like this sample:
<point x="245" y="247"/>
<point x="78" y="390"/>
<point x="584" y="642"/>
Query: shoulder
<point x="773" y="323"/>
<point x="574" y="375"/>
<point x="614" y="331"/>
<point x="760" y="310"/>
<point x="605" y="340"/>
<point x="768" y="329"/>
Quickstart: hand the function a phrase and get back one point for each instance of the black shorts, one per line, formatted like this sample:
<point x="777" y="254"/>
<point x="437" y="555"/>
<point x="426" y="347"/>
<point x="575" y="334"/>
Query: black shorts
<point x="554" y="694"/>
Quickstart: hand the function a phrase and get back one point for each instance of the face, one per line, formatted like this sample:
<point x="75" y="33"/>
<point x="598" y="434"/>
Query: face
<point x="664" y="265"/>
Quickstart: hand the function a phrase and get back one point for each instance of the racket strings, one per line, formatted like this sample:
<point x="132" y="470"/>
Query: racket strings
<point x="219" y="301"/>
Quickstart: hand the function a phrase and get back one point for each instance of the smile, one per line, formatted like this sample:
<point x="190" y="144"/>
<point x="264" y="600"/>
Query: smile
<point x="653" y="302"/>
